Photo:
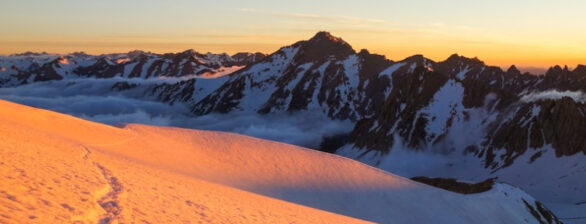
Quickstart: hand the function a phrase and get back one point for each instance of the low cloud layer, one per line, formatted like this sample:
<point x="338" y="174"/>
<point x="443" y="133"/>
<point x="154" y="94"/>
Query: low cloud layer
<point x="94" y="100"/>
<point x="577" y="96"/>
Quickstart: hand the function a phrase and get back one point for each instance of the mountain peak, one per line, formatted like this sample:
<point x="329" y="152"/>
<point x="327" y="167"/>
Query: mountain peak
<point x="580" y="69"/>
<point x="326" y="36"/>
<point x="189" y="52"/>
<point x="323" y="46"/>
<point x="514" y="70"/>
<point x="555" y="70"/>
<point x="455" y="58"/>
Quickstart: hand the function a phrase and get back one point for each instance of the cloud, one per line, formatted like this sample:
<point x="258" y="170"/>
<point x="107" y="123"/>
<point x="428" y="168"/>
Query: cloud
<point x="406" y="162"/>
<point x="93" y="99"/>
<point x="300" y="128"/>
<point x="577" y="96"/>
<point x="344" y="20"/>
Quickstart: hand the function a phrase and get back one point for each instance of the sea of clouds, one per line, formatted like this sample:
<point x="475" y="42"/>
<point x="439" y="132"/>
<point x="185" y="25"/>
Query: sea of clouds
<point x="94" y="99"/>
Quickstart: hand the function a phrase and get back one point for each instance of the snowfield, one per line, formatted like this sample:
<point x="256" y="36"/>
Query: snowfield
<point x="60" y="169"/>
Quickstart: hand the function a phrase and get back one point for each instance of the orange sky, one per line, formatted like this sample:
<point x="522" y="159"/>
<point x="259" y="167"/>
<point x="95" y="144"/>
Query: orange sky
<point x="523" y="32"/>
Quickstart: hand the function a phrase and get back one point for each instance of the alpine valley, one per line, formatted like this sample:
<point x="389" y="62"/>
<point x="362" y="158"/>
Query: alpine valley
<point x="448" y="123"/>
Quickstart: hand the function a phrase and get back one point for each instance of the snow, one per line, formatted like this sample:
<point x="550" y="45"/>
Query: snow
<point x="222" y="71"/>
<point x="68" y="169"/>
<point x="462" y="74"/>
<point x="215" y="59"/>
<point x="23" y="62"/>
<point x="351" y="68"/>
<point x="128" y="69"/>
<point x="204" y="86"/>
<point x="445" y="105"/>
<point x="122" y="60"/>
<point x="412" y="67"/>
<point x="145" y="67"/>
<point x="314" y="104"/>
<point x="63" y="60"/>
<point x="302" y="70"/>
<point x="66" y="65"/>
<point x="548" y="177"/>
<point x="264" y="74"/>
<point x="59" y="168"/>
<point x="535" y="110"/>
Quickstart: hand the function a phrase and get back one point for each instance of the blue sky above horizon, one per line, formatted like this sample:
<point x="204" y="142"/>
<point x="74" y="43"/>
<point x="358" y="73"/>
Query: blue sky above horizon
<point x="527" y="33"/>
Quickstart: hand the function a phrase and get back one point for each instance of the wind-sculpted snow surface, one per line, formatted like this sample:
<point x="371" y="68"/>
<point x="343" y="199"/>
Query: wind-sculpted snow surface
<point x="58" y="168"/>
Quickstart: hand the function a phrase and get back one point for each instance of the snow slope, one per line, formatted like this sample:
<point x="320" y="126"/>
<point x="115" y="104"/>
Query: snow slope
<point x="53" y="171"/>
<point x="57" y="168"/>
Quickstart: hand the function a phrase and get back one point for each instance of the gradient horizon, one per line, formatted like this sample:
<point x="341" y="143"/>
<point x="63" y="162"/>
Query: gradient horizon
<point x="525" y="33"/>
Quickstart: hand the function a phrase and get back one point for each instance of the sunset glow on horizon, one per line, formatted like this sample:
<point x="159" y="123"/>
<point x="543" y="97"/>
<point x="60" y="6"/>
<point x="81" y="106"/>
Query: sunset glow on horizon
<point x="525" y="33"/>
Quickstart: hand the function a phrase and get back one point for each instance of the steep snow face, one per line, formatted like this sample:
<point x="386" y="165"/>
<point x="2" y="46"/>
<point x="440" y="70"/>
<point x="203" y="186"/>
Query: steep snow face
<point x="262" y="77"/>
<point x="444" y="109"/>
<point x="559" y="181"/>
<point x="118" y="174"/>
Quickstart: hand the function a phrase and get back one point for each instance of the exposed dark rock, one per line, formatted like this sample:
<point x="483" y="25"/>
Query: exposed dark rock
<point x="323" y="45"/>
<point x="332" y="143"/>
<point x="179" y="92"/>
<point x="245" y="58"/>
<point x="120" y="86"/>
<point x="454" y="185"/>
<point x="541" y="214"/>
<point x="411" y="92"/>
<point x="103" y="68"/>
<point x="561" y="123"/>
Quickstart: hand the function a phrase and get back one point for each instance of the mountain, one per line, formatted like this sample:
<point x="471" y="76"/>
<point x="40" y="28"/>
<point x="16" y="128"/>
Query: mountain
<point x="458" y="118"/>
<point x="60" y="168"/>
<point x="29" y="68"/>
<point x="321" y="74"/>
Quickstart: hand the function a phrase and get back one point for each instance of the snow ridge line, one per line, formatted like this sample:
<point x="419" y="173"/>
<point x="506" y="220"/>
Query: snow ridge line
<point x="109" y="202"/>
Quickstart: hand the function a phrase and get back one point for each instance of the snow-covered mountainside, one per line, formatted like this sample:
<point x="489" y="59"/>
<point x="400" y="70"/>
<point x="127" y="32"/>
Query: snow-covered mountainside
<point x="489" y="122"/>
<point x="457" y="114"/>
<point x="30" y="67"/>
<point x="323" y="74"/>
<point x="57" y="168"/>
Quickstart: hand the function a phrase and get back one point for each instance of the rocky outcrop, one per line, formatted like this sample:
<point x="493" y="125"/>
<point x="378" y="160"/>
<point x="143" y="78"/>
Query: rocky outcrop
<point x="46" y="72"/>
<point x="399" y="116"/>
<point x="559" y="123"/>
<point x="454" y="185"/>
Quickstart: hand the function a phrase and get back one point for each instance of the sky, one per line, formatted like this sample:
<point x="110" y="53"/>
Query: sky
<point x="527" y="33"/>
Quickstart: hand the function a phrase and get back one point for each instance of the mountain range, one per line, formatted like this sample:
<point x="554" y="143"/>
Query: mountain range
<point x="457" y="118"/>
